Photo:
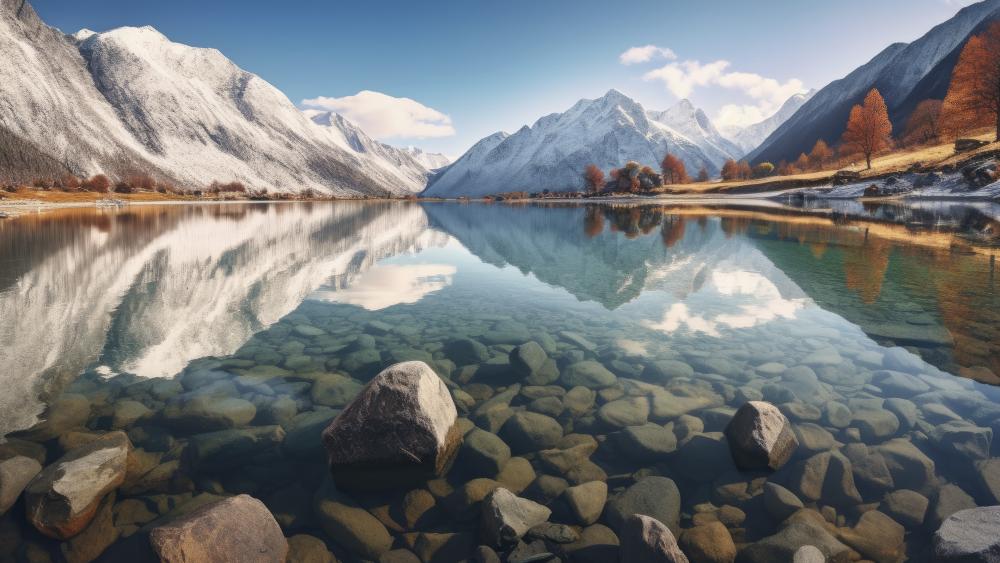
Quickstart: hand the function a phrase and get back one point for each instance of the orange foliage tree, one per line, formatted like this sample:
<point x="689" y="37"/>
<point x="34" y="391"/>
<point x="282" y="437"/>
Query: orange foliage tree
<point x="820" y="155"/>
<point x="745" y="170"/>
<point x="869" y="129"/>
<point x="593" y="178"/>
<point x="674" y="171"/>
<point x="973" y="98"/>
<point x="802" y="163"/>
<point x="924" y="124"/>
<point x="730" y="170"/>
<point x="703" y="174"/>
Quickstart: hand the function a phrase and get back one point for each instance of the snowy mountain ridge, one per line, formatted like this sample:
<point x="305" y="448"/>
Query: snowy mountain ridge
<point x="129" y="100"/>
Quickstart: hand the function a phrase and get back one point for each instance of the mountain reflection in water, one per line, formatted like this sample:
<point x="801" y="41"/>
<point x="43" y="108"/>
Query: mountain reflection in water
<point x="146" y="290"/>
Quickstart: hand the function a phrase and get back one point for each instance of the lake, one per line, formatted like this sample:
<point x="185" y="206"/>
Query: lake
<point x="222" y="339"/>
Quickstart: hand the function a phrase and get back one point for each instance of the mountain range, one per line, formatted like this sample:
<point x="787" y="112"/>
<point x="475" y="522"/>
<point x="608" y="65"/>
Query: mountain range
<point x="131" y="101"/>
<point x="905" y="74"/>
<point x="607" y="131"/>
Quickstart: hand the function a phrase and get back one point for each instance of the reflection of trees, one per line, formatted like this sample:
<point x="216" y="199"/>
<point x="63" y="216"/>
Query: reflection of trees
<point x="672" y="230"/>
<point x="735" y="225"/>
<point x="865" y="266"/>
<point x="593" y="222"/>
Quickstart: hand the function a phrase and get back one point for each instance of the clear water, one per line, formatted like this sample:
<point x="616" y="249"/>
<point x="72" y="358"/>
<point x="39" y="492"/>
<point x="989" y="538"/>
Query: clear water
<point x="293" y="307"/>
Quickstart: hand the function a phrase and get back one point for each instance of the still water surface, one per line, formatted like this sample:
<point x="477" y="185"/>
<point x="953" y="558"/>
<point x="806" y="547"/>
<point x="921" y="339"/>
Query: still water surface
<point x="875" y="331"/>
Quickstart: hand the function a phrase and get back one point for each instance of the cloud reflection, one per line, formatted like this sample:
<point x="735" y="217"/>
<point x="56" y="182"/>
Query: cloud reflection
<point x="386" y="285"/>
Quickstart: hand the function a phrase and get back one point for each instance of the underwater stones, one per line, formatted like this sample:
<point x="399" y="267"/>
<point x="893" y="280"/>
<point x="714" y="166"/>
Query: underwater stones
<point x="664" y="370"/>
<point x="667" y="404"/>
<point x="906" y="411"/>
<point x="304" y="548"/>
<point x="334" y="390"/>
<point x="875" y="424"/>
<point x="528" y="358"/>
<point x="703" y="457"/>
<point x="69" y="411"/>
<point x="760" y="437"/>
<point x="709" y="543"/>
<point x="963" y="439"/>
<point x="400" y="428"/>
<point x="516" y="474"/>
<point x="586" y="501"/>
<point x="64" y="497"/>
<point x="836" y="414"/>
<point x="579" y="400"/>
<point x="128" y="412"/>
<point x="988" y="473"/>
<point x="813" y="438"/>
<point x="657" y="497"/>
<point x="507" y="517"/>
<point x="529" y="432"/>
<point x="350" y="525"/>
<point x="950" y="498"/>
<point x="89" y="544"/>
<point x="969" y="536"/>
<point x="869" y="467"/>
<point x="827" y="476"/>
<point x="898" y="383"/>
<point x="238" y="528"/>
<point x="597" y="544"/>
<point x="823" y="357"/>
<point x="627" y="411"/>
<point x="556" y="533"/>
<point x="483" y="454"/>
<point x="577" y="340"/>
<point x="549" y="406"/>
<point x="779" y="502"/>
<point x="228" y="448"/>
<point x="305" y="431"/>
<point x="647" y="540"/>
<point x="465" y="351"/>
<point x="804" y="528"/>
<point x="906" y="507"/>
<point x="202" y="413"/>
<point x="589" y="374"/>
<point x="910" y="467"/>
<point x="15" y="474"/>
<point x="646" y="443"/>
<point x="877" y="537"/>
<point x="901" y="359"/>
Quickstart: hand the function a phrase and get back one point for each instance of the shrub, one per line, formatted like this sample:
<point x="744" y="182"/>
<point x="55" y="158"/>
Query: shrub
<point x="98" y="183"/>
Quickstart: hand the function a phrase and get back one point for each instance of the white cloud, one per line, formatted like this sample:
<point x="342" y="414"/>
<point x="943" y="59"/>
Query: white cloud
<point x="386" y="285"/>
<point x="681" y="78"/>
<point x="386" y="117"/>
<point x="637" y="55"/>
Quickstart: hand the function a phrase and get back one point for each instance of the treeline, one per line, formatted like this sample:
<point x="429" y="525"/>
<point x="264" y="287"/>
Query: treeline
<point x="635" y="178"/>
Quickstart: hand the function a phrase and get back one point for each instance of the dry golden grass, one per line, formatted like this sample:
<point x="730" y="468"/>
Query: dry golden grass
<point x="61" y="197"/>
<point x="898" y="161"/>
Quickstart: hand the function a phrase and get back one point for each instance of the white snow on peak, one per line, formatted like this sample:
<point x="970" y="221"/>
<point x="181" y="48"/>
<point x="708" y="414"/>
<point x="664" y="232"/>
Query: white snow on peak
<point x="750" y="137"/>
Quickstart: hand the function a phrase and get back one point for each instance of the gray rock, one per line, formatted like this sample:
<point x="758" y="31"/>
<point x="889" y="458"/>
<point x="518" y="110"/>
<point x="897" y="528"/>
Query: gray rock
<point x="465" y="351"/>
<point x="657" y="497"/>
<point x="128" y="412"/>
<point x="15" y="474"/>
<point x="969" y="536"/>
<point x="400" y="429"/>
<point x="808" y="554"/>
<point x="579" y="400"/>
<point x="869" y="467"/>
<point x="483" y="454"/>
<point x="780" y="502"/>
<point x="704" y="457"/>
<point x="597" y="544"/>
<point x="646" y="443"/>
<point x="900" y="384"/>
<point x="662" y="371"/>
<point x="309" y="549"/>
<point x="202" y="413"/>
<point x="628" y="411"/>
<point x="350" y="525"/>
<point x="988" y="471"/>
<point x="586" y="501"/>
<point x="813" y="438"/>
<point x="224" y="449"/>
<point x="710" y="542"/>
<point x="963" y="439"/>
<point x="876" y="537"/>
<point x="238" y="528"/>
<point x="906" y="507"/>
<point x="528" y="358"/>
<point x="335" y="390"/>
<point x="647" y="540"/>
<point x="760" y="437"/>
<point x="950" y="499"/>
<point x="528" y="432"/>
<point x="910" y="467"/>
<point x="507" y="517"/>
<point x="557" y="533"/>
<point x="804" y="528"/>
<point x="63" y="499"/>
<point x="875" y="424"/>
<point x="589" y="374"/>
<point x="905" y="411"/>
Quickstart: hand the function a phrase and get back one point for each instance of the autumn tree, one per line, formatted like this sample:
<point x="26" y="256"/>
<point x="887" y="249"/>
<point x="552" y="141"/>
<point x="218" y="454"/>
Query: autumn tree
<point x="763" y="170"/>
<point x="745" y="171"/>
<point x="593" y="178"/>
<point x="674" y="171"/>
<point x="703" y="174"/>
<point x="973" y="98"/>
<point x="924" y="124"/>
<point x="784" y="169"/>
<point x="99" y="183"/>
<point x="820" y="155"/>
<point x="802" y="163"/>
<point x="868" y="128"/>
<point x="730" y="170"/>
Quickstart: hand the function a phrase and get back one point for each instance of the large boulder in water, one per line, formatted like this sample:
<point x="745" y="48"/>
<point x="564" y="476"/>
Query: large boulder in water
<point x="400" y="430"/>
<point x="647" y="540"/>
<point x="64" y="497"/>
<point x="760" y="437"/>
<point x="239" y="528"/>
<point x="969" y="535"/>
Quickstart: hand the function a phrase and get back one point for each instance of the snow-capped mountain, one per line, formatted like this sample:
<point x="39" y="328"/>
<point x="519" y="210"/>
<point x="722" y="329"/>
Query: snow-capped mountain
<point x="692" y="123"/>
<point x="429" y="160"/>
<point x="130" y="100"/>
<point x="391" y="160"/>
<point x="552" y="153"/>
<point x="905" y="74"/>
<point x="750" y="137"/>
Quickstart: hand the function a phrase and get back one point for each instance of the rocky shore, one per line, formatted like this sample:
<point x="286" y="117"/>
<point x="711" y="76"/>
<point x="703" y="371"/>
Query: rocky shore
<point x="319" y="442"/>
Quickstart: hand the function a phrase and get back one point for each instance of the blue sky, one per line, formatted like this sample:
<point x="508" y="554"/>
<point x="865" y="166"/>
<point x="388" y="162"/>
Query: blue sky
<point x="474" y="67"/>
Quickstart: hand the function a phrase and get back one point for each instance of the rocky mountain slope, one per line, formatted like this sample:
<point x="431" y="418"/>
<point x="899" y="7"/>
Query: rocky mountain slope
<point x="607" y="132"/>
<point x="130" y="100"/>
<point x="905" y="74"/>
<point x="429" y="160"/>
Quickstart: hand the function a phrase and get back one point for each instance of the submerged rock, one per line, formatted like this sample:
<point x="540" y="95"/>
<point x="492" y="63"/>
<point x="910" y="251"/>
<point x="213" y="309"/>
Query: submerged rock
<point x="710" y="543"/>
<point x="507" y="517"/>
<point x="588" y="373"/>
<point x="657" y="497"/>
<point x="969" y="536"/>
<point x="239" y="528"/>
<point x="15" y="474"/>
<point x="760" y="437"/>
<point x="647" y="540"/>
<point x="64" y="497"/>
<point x="400" y="429"/>
<point x="350" y="525"/>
